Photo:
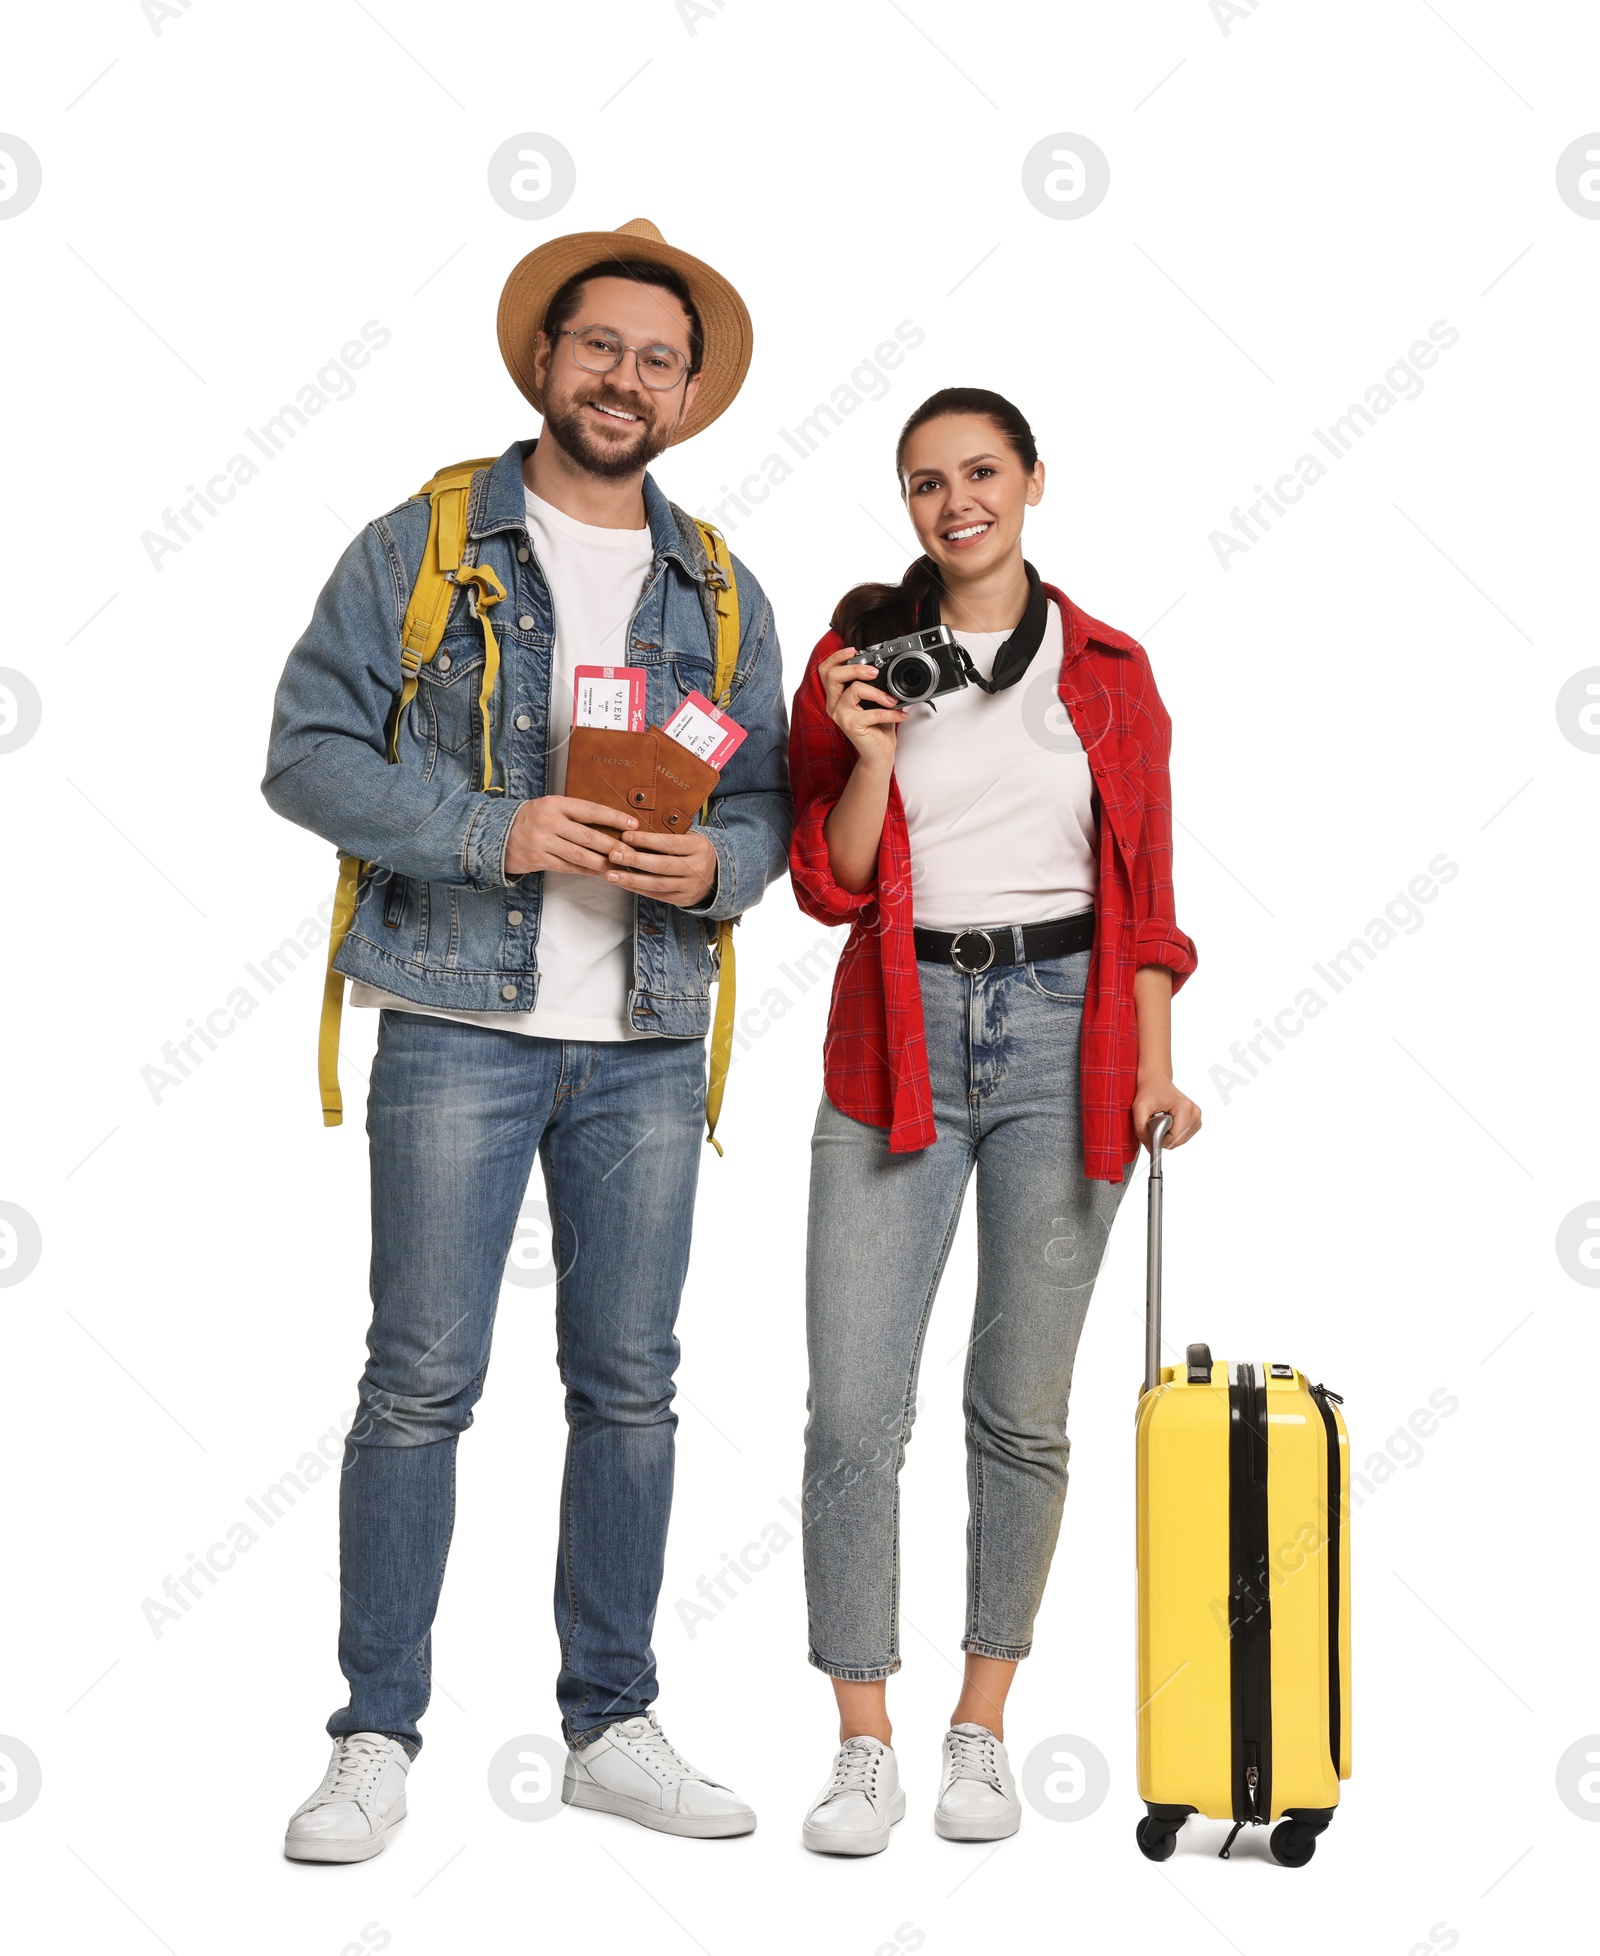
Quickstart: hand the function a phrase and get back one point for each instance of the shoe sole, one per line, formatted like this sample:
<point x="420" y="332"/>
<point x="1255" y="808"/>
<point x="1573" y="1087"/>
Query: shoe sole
<point x="689" y="1826"/>
<point x="341" y="1851"/>
<point x="1000" y="1828"/>
<point x="832" y="1840"/>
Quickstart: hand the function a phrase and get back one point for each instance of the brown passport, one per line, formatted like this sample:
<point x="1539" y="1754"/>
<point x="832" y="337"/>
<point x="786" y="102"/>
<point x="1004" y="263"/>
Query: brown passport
<point x="646" y="775"/>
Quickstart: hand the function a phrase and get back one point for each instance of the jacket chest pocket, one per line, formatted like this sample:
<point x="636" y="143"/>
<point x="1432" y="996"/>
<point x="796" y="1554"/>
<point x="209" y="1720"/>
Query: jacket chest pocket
<point x="687" y="661"/>
<point x="691" y="669"/>
<point x="447" y="698"/>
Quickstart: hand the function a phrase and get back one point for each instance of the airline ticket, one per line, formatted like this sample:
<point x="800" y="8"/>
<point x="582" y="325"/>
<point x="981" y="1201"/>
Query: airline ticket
<point x="609" y="696"/>
<point x="705" y="730"/>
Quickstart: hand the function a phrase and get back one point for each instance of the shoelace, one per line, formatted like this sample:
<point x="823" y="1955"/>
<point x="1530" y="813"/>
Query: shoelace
<point x="972" y="1756"/>
<point x="855" y="1768"/>
<point x="359" y="1762"/>
<point x="657" y="1751"/>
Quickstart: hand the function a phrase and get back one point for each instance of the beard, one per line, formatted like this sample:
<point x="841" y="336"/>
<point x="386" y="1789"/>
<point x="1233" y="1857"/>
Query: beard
<point x="612" y="459"/>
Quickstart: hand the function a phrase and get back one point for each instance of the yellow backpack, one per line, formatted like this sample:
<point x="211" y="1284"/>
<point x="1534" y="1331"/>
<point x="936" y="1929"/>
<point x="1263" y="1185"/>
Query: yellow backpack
<point x="442" y="573"/>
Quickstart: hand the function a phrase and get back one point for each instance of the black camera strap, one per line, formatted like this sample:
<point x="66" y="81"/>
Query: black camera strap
<point x="1016" y="654"/>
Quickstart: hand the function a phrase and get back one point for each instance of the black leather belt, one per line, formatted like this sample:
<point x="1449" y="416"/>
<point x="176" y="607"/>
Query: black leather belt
<point x="974" y="950"/>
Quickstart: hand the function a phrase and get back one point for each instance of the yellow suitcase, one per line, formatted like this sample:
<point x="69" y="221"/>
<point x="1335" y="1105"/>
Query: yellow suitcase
<point x="1244" y="1590"/>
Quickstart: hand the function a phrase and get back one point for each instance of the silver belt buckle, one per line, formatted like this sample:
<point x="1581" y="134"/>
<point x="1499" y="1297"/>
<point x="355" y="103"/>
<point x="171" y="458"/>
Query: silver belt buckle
<point x="971" y="970"/>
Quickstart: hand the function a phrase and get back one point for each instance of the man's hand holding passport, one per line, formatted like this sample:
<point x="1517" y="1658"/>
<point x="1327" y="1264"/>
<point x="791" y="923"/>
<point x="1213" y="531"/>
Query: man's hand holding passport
<point x="646" y="782"/>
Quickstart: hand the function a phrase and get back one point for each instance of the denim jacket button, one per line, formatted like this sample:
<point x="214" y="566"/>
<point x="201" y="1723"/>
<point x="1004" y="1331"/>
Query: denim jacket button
<point x="523" y="723"/>
<point x="525" y="623"/>
<point x="508" y="991"/>
<point x="513" y="916"/>
<point x="522" y="555"/>
<point x="444" y="661"/>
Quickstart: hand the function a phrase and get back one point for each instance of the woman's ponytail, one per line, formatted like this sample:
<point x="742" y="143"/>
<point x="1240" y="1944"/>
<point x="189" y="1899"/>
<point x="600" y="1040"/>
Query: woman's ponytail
<point x="870" y="613"/>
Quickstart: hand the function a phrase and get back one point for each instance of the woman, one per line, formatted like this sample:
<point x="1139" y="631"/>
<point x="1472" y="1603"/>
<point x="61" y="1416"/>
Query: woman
<point x="1003" y="851"/>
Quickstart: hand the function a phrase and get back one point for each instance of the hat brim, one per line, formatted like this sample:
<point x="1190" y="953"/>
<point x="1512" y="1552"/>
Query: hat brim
<point x="724" y="319"/>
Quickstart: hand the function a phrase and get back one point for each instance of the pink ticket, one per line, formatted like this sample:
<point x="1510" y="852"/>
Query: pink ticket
<point x="705" y="730"/>
<point x="609" y="696"/>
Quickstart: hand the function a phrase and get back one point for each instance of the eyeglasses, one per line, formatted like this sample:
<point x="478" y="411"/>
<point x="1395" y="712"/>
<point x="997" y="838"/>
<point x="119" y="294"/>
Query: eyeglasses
<point x="600" y="351"/>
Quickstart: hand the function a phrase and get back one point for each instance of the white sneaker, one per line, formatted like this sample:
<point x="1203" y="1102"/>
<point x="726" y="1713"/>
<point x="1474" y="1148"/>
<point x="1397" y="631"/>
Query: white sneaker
<point x="362" y="1795"/>
<point x="634" y="1770"/>
<point x="978" y="1798"/>
<point x="860" y="1803"/>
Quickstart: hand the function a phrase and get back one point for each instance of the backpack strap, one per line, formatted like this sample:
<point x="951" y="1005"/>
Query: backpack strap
<point x="447" y="565"/>
<point x="344" y="910"/>
<point x="723" y="605"/>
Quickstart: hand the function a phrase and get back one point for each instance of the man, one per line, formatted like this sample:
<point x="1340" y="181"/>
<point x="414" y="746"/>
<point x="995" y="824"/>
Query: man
<point x="544" y="988"/>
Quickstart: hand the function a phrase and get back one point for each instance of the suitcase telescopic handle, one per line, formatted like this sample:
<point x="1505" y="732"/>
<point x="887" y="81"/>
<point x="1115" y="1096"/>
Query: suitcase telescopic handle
<point x="1160" y="1127"/>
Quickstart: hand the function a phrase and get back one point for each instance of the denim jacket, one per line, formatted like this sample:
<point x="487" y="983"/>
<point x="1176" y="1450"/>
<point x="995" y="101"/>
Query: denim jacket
<point x="438" y="920"/>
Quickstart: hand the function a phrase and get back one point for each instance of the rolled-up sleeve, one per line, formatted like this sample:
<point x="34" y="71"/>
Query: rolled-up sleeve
<point x="1158" y="942"/>
<point x="820" y="762"/>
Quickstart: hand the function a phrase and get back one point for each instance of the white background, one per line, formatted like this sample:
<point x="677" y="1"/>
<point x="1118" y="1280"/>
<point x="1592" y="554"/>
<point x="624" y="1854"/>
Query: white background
<point x="1293" y="202"/>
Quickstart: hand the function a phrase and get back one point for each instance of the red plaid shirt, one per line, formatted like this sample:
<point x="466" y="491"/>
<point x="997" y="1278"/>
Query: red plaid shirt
<point x="875" y="1056"/>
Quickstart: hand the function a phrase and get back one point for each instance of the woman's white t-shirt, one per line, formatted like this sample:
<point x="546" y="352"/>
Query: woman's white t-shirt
<point x="585" y="949"/>
<point x="998" y="797"/>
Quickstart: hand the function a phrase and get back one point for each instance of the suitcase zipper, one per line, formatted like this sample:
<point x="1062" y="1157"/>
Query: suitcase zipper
<point x="1322" y="1395"/>
<point x="1252" y="1779"/>
<point x="1250" y="1617"/>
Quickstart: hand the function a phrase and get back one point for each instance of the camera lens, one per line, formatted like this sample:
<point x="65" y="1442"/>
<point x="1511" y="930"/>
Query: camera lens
<point x="912" y="676"/>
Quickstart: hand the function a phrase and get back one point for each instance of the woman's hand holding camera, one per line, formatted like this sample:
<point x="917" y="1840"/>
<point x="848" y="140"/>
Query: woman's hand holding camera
<point x="867" y="717"/>
<point x="862" y="711"/>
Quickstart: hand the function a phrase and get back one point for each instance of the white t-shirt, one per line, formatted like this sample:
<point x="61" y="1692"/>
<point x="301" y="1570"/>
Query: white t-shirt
<point x="585" y="949"/>
<point x="998" y="797"/>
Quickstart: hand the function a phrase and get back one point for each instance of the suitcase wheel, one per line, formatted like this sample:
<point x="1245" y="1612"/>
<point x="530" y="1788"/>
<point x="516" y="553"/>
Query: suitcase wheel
<point x="1295" y="1841"/>
<point x="1156" y="1838"/>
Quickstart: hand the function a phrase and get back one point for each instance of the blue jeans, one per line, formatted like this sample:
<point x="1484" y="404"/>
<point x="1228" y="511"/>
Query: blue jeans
<point x="454" y="1116"/>
<point x="1003" y="1062"/>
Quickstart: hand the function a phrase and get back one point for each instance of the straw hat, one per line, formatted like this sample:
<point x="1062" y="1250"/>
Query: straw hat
<point x="723" y="319"/>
